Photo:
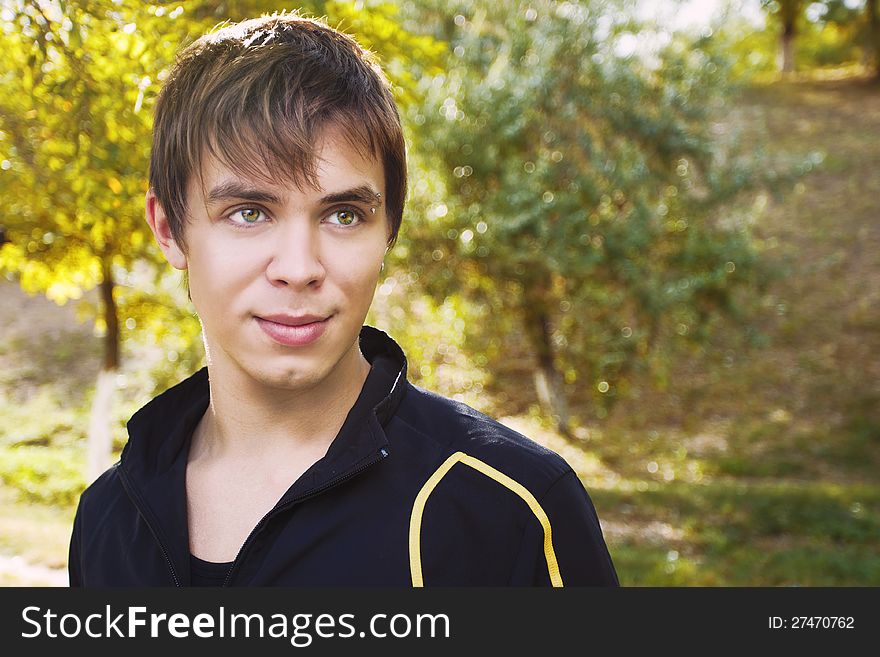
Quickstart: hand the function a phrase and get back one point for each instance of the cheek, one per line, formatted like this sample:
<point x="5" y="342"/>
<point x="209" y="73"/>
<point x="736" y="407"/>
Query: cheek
<point x="357" y="273"/>
<point x="216" y="275"/>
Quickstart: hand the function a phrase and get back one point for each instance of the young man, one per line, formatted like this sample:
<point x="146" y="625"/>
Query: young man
<point x="301" y="455"/>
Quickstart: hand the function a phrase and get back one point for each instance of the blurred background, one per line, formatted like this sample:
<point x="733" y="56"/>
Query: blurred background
<point x="645" y="234"/>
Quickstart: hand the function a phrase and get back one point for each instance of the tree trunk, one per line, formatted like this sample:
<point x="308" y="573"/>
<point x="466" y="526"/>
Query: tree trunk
<point x="548" y="382"/>
<point x="100" y="438"/>
<point x="787" y="47"/>
<point x="874" y="34"/>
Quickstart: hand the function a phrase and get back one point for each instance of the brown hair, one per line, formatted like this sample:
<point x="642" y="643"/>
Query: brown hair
<point x="257" y="95"/>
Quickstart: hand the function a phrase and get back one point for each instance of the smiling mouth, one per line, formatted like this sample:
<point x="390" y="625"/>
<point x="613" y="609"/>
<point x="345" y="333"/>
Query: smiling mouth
<point x="306" y="330"/>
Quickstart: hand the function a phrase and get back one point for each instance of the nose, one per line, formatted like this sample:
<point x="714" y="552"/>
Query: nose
<point x="296" y="256"/>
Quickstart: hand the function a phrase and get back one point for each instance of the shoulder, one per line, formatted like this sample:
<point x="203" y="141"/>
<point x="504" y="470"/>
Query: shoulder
<point x="103" y="493"/>
<point x="453" y="432"/>
<point x="492" y="506"/>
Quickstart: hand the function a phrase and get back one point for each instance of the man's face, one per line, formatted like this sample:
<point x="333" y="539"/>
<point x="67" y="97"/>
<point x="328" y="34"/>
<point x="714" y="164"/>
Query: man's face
<point x="282" y="277"/>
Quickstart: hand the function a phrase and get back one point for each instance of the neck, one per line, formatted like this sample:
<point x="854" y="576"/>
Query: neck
<point x="250" y="420"/>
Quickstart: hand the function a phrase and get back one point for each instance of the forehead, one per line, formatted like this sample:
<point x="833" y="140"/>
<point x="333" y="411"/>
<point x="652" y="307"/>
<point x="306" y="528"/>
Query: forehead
<point x="335" y="161"/>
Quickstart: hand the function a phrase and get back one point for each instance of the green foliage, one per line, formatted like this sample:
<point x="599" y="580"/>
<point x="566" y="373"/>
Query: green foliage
<point x="48" y="476"/>
<point x="433" y="337"/>
<point x="556" y="180"/>
<point x="43" y="420"/>
<point x="753" y="52"/>
<point x="404" y="55"/>
<point x="829" y="44"/>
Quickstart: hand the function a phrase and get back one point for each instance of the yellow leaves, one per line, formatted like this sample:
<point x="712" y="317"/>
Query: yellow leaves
<point x="138" y="49"/>
<point x="62" y="291"/>
<point x="80" y="271"/>
<point x="11" y="257"/>
<point x="61" y="276"/>
<point x="121" y="42"/>
<point x="115" y="186"/>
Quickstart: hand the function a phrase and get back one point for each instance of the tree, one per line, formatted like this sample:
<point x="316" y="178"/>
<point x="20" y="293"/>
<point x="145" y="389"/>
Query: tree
<point x="857" y="25"/>
<point x="75" y="137"/>
<point x="580" y="193"/>
<point x="788" y="13"/>
<point x="872" y="13"/>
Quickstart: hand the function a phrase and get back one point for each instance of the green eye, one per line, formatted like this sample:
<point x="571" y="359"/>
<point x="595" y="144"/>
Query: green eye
<point x="344" y="217"/>
<point x="250" y="215"/>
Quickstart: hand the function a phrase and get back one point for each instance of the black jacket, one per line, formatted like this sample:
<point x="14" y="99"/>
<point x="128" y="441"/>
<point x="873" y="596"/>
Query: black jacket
<point x="415" y="490"/>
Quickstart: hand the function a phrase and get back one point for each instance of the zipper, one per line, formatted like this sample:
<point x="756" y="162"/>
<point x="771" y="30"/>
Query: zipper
<point x="135" y="498"/>
<point x="382" y="453"/>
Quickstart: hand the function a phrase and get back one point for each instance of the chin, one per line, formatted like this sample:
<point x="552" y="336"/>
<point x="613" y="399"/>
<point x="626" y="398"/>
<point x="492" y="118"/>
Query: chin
<point x="288" y="378"/>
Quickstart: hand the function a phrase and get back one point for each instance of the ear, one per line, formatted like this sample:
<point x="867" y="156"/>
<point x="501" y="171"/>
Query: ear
<point x="158" y="221"/>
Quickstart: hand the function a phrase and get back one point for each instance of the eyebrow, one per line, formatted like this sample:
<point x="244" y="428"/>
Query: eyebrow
<point x="236" y="190"/>
<point x="359" y="194"/>
<point x="233" y="189"/>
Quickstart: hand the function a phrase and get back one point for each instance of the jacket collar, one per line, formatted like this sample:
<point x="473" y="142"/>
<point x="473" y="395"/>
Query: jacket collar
<point x="153" y="462"/>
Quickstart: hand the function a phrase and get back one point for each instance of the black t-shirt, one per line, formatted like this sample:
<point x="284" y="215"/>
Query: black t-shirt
<point x="207" y="573"/>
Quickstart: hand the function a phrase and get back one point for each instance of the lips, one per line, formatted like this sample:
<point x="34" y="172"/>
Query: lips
<point x="293" y="331"/>
<point x="294" y="320"/>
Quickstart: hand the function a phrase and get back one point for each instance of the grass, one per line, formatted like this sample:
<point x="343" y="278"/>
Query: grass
<point x="757" y="466"/>
<point x="672" y="515"/>
<point x="38" y="533"/>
